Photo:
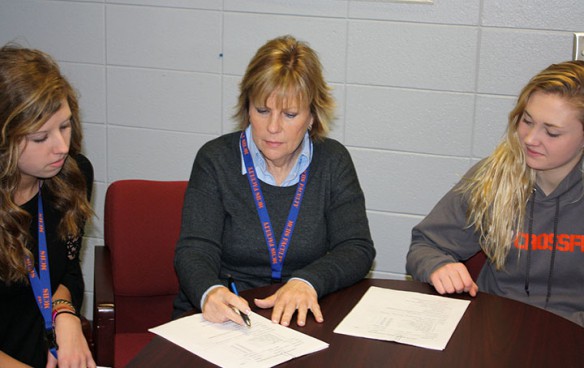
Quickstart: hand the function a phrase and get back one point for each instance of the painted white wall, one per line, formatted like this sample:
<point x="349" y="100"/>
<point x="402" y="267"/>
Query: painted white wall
<point x="423" y="90"/>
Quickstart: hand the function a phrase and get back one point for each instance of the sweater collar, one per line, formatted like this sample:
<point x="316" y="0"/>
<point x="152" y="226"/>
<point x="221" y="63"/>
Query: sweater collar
<point x="302" y="162"/>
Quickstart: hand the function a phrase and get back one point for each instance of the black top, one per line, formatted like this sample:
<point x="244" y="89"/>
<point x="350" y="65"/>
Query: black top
<point x="21" y="322"/>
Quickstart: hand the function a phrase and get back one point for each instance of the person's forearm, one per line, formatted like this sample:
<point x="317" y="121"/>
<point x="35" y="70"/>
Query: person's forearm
<point x="6" y="361"/>
<point x="62" y="293"/>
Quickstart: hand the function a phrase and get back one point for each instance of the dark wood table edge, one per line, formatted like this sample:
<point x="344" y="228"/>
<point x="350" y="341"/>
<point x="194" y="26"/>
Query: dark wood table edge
<point x="160" y="346"/>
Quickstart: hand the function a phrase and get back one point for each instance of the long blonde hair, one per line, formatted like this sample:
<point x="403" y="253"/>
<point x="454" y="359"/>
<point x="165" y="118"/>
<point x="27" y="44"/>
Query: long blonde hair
<point x="292" y="69"/>
<point x="32" y="89"/>
<point x="498" y="191"/>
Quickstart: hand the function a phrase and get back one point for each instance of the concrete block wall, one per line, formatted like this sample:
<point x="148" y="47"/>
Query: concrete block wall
<point x="423" y="90"/>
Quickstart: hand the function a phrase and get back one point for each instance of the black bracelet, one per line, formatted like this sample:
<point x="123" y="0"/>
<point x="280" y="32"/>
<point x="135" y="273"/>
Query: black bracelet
<point x="66" y="312"/>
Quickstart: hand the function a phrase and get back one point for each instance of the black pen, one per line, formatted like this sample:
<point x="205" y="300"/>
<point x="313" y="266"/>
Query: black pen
<point x="233" y="288"/>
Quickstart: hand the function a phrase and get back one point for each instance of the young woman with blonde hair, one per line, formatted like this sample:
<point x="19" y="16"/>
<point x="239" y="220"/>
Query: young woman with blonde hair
<point x="523" y="206"/>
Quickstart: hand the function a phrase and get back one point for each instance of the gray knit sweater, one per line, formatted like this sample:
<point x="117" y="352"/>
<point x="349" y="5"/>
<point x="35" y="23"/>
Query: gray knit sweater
<point x="331" y="246"/>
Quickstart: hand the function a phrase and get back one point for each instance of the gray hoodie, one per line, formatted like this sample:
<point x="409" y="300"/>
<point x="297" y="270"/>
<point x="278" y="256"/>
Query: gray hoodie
<point x="543" y="277"/>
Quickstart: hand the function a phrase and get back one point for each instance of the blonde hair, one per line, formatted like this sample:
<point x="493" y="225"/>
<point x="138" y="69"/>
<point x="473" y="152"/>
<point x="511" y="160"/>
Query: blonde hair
<point x="32" y="89"/>
<point x="292" y="70"/>
<point x="498" y="191"/>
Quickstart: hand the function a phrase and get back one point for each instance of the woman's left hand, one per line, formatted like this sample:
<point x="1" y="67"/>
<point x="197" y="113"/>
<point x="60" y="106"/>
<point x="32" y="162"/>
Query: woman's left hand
<point x="73" y="349"/>
<point x="294" y="295"/>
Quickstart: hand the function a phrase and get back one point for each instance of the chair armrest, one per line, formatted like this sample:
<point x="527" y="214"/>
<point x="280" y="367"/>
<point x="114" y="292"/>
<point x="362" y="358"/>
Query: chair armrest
<point x="103" y="308"/>
<point x="87" y="332"/>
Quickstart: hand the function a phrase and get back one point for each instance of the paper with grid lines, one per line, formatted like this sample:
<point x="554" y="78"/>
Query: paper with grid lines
<point x="264" y="344"/>
<point x="406" y="317"/>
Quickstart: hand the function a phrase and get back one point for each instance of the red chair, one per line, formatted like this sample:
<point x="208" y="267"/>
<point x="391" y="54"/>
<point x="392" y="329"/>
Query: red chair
<point x="135" y="280"/>
<point x="475" y="264"/>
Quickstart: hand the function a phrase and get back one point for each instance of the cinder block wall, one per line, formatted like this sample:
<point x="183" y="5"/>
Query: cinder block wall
<point x="423" y="90"/>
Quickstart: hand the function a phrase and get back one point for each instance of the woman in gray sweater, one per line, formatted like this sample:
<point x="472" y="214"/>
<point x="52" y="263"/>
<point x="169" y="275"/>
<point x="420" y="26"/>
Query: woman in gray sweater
<point x="275" y="201"/>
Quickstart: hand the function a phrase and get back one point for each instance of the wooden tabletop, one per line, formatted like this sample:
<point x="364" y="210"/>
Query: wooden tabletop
<point x="494" y="332"/>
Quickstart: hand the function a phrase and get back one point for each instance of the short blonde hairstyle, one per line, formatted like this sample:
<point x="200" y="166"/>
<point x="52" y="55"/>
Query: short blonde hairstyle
<point x="292" y="70"/>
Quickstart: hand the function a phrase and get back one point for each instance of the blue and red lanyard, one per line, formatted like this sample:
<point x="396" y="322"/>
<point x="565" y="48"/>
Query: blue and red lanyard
<point x="277" y="254"/>
<point x="41" y="282"/>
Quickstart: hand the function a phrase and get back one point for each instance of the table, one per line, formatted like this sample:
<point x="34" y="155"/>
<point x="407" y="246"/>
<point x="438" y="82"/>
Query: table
<point x="494" y="332"/>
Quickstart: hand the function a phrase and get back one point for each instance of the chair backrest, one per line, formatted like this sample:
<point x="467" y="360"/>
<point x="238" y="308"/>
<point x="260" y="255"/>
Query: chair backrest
<point x="475" y="264"/>
<point x="142" y="225"/>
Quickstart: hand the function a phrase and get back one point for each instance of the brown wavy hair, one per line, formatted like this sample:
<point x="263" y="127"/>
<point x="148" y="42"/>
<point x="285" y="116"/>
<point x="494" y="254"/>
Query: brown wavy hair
<point x="291" y="69"/>
<point x="32" y="89"/>
<point x="500" y="188"/>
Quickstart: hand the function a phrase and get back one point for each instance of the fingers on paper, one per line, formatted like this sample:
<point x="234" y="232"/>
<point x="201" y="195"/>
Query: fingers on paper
<point x="222" y="305"/>
<point x="453" y="278"/>
<point x="295" y="296"/>
<point x="238" y="306"/>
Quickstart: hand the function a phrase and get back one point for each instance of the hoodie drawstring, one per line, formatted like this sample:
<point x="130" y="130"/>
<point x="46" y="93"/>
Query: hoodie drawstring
<point x="529" y="242"/>
<point x="552" y="261"/>
<point x="530" y="230"/>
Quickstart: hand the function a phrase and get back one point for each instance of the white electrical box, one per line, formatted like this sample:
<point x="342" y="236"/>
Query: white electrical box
<point x="398" y="1"/>
<point x="578" y="46"/>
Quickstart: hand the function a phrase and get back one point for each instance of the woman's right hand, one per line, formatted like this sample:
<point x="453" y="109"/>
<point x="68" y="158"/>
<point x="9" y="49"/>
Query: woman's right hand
<point x="219" y="306"/>
<point x="73" y="348"/>
<point x="453" y="278"/>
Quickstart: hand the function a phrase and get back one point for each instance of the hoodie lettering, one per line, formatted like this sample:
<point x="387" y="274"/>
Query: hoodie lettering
<point x="566" y="242"/>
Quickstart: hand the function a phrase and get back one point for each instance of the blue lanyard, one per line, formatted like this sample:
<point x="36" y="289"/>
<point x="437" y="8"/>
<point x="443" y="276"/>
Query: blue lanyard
<point x="277" y="254"/>
<point x="41" y="283"/>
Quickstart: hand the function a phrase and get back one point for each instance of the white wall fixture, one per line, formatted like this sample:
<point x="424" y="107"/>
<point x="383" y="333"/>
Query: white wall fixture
<point x="398" y="1"/>
<point x="578" y="46"/>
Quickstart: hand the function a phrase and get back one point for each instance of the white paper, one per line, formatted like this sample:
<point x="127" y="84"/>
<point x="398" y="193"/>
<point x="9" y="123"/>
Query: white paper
<point x="264" y="344"/>
<point x="406" y="317"/>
